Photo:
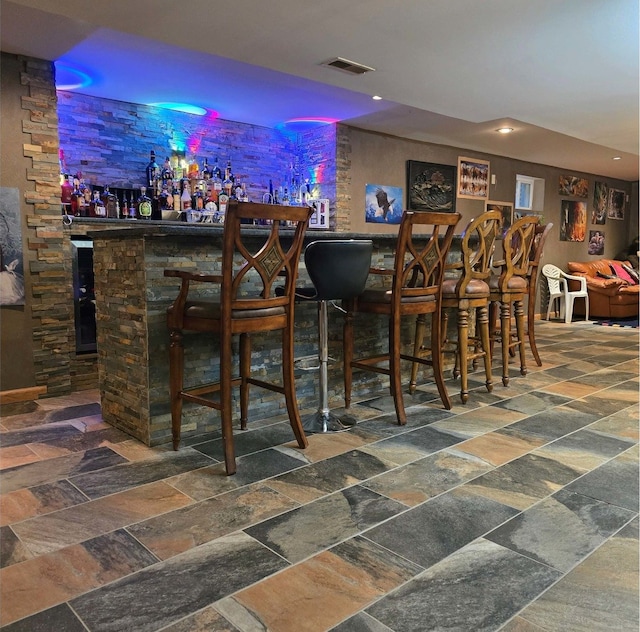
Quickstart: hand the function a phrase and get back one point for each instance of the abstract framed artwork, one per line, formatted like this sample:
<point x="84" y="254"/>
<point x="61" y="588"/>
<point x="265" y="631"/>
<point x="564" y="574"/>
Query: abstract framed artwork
<point x="473" y="178"/>
<point x="573" y="186"/>
<point x="431" y="187"/>
<point x="383" y="204"/>
<point x="573" y="220"/>
<point x="506" y="208"/>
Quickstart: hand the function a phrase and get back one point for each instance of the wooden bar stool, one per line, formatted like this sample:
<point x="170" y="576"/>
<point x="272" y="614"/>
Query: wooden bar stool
<point x="468" y="290"/>
<point x="509" y="288"/>
<point x="537" y="250"/>
<point x="247" y="304"/>
<point x="338" y="270"/>
<point x="416" y="288"/>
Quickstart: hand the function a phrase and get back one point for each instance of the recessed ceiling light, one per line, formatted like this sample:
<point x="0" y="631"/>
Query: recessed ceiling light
<point x="505" y="130"/>
<point x="617" y="158"/>
<point x="375" y="97"/>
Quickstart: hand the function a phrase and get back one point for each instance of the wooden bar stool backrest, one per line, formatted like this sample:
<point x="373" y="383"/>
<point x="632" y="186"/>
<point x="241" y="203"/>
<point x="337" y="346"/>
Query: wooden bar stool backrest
<point x="476" y="249"/>
<point x="537" y="251"/>
<point x="416" y="288"/>
<point x="255" y="261"/>
<point x="420" y="258"/>
<point x="518" y="242"/>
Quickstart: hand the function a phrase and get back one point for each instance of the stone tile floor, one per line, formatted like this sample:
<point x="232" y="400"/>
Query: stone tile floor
<point x="516" y="512"/>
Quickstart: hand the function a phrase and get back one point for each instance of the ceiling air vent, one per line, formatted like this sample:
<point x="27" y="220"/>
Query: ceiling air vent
<point x="347" y="66"/>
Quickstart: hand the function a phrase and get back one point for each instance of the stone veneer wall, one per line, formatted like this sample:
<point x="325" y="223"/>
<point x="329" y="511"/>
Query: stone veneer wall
<point x="47" y="243"/>
<point x="344" y="210"/>
<point x="109" y="142"/>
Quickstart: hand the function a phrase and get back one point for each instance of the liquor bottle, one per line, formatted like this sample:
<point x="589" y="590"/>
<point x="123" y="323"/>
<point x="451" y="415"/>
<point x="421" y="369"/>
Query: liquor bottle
<point x="124" y="208"/>
<point x="133" y="211"/>
<point x="167" y="171"/>
<point x="216" y="173"/>
<point x="223" y="202"/>
<point x="76" y="197"/>
<point x="144" y="204"/>
<point x="193" y="170"/>
<point x="175" y="194"/>
<point x="66" y="190"/>
<point x="227" y="183"/>
<point x="109" y="201"/>
<point x="163" y="199"/>
<point x="97" y="208"/>
<point x="174" y="162"/>
<point x="85" y="189"/>
<point x="185" y="198"/>
<point x="153" y="173"/>
<point x="198" y="198"/>
<point x="206" y="172"/>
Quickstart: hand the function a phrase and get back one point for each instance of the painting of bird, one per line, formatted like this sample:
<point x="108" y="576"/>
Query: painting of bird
<point x="384" y="203"/>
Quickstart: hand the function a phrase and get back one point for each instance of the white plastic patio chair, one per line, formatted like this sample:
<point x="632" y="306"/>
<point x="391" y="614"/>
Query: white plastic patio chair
<point x="559" y="289"/>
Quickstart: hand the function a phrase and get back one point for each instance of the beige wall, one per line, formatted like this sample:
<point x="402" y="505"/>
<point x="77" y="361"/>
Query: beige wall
<point x="381" y="159"/>
<point x="16" y="359"/>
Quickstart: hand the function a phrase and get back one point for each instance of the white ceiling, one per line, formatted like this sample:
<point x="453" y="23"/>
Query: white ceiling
<point x="563" y="73"/>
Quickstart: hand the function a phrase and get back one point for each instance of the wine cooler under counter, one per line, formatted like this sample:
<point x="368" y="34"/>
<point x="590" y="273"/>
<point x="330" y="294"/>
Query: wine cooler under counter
<point x="84" y="302"/>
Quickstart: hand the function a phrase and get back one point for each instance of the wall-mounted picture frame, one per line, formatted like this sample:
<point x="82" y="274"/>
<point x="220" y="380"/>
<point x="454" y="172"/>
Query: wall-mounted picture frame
<point x="573" y="186"/>
<point x="600" y="203"/>
<point x="616" y="203"/>
<point x="431" y="187"/>
<point x="596" y="242"/>
<point x="383" y="204"/>
<point x="573" y="220"/>
<point x="473" y="178"/>
<point x="506" y="208"/>
<point x="11" y="255"/>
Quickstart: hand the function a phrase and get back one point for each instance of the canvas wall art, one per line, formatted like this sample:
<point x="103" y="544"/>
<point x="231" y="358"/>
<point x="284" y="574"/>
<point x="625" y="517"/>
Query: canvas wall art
<point x="473" y="178"/>
<point x="431" y="187"/>
<point x="615" y="206"/>
<point x="383" y="204"/>
<point x="596" y="242"/>
<point x="574" y="186"/>
<point x="11" y="264"/>
<point x="600" y="203"/>
<point x="506" y="208"/>
<point x="573" y="220"/>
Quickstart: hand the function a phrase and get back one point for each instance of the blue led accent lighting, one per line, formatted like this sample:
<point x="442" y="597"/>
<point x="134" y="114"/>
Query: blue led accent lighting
<point x="70" y="77"/>
<point x="187" y="108"/>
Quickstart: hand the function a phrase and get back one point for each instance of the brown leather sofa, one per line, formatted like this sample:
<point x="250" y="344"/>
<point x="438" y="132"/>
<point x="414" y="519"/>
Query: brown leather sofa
<point x="608" y="298"/>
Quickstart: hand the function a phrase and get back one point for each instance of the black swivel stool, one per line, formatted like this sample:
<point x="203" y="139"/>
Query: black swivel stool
<point x="338" y="270"/>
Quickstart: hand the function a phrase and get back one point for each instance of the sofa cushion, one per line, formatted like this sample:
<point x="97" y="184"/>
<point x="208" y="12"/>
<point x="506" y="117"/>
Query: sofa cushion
<point x="621" y="273"/>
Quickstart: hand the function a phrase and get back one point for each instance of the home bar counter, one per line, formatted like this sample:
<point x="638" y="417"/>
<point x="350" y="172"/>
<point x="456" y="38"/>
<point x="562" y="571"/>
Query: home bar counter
<point x="132" y="296"/>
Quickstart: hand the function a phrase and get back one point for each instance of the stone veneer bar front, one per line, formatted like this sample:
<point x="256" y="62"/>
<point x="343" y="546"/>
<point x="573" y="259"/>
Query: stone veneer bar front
<point x="132" y="296"/>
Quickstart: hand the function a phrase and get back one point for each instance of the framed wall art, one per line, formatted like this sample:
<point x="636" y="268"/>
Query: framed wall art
<point x="573" y="186"/>
<point x="600" y="203"/>
<point x="615" y="205"/>
<point x="596" y="242"/>
<point x="431" y="187"/>
<point x="383" y="204"/>
<point x="506" y="208"/>
<point x="11" y="260"/>
<point x="473" y="178"/>
<point x="573" y="220"/>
